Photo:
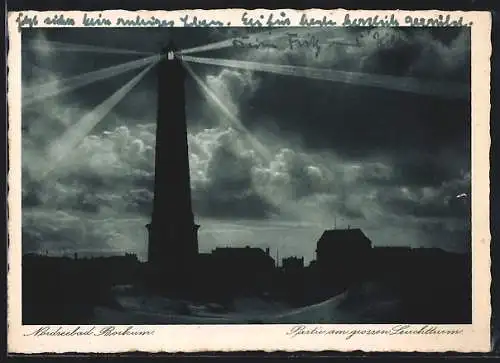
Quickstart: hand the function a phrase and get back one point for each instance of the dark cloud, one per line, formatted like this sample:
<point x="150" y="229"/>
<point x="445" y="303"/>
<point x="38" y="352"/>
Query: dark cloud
<point x="395" y="60"/>
<point x="426" y="169"/>
<point x="451" y="199"/>
<point x="245" y="205"/>
<point x="383" y="123"/>
<point x="362" y="121"/>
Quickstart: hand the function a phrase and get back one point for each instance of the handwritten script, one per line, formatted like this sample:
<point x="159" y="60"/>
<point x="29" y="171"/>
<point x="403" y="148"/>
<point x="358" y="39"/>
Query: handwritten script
<point x="348" y="333"/>
<point x="278" y="18"/>
<point x="293" y="332"/>
<point x="107" y="331"/>
<point x="293" y="42"/>
<point x="296" y="41"/>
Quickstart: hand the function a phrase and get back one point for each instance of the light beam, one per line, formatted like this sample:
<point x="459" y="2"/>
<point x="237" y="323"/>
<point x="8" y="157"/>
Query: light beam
<point x="405" y="84"/>
<point x="261" y="36"/>
<point x="41" y="92"/>
<point x="76" y="133"/>
<point x="290" y="207"/>
<point x="234" y="121"/>
<point x="69" y="47"/>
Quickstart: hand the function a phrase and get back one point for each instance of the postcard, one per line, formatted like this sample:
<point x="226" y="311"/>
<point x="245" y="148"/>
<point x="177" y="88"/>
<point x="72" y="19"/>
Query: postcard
<point x="248" y="180"/>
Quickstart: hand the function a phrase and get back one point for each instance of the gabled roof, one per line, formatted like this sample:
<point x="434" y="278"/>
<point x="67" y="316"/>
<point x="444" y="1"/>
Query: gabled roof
<point x="351" y="235"/>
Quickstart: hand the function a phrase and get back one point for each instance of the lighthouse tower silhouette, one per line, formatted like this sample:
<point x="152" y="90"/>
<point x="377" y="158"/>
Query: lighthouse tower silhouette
<point x="172" y="233"/>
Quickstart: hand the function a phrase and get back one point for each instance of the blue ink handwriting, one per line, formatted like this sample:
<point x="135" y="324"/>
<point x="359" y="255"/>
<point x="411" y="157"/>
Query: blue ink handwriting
<point x="386" y="21"/>
<point x="271" y="20"/>
<point x="139" y="21"/>
<point x="25" y="20"/>
<point x="99" y="21"/>
<point x="439" y="21"/>
<point x="194" y="21"/>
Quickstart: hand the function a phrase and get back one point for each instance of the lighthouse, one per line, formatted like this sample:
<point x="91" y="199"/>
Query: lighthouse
<point x="172" y="232"/>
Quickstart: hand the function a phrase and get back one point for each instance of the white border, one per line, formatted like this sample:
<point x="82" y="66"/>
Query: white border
<point x="474" y="338"/>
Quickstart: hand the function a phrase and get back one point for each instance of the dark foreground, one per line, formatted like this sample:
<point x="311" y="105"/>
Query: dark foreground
<point x="424" y="286"/>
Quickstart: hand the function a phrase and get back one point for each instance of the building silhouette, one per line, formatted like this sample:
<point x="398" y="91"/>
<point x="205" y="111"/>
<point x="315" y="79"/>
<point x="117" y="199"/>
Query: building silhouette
<point x="292" y="264"/>
<point x="243" y="268"/>
<point x="244" y="258"/>
<point x="172" y="233"/>
<point x="342" y="256"/>
<point x="234" y="271"/>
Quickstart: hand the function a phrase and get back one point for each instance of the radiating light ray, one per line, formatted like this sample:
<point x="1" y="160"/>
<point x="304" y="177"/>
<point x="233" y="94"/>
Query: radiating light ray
<point x="261" y="36"/>
<point x="288" y="207"/>
<point x="404" y="84"/>
<point x="69" y="47"/>
<point x="76" y="133"/>
<point x="233" y="119"/>
<point x="44" y="91"/>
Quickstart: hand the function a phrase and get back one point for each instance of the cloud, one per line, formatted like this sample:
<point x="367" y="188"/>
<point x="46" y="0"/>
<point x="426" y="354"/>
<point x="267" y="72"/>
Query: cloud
<point x="231" y="86"/>
<point x="423" y="141"/>
<point x="443" y="59"/>
<point x="222" y="183"/>
<point x="113" y="169"/>
<point x="63" y="232"/>
<point x="316" y="184"/>
<point x="429" y="202"/>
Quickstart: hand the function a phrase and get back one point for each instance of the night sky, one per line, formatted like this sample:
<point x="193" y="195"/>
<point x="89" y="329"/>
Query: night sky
<point x="391" y="163"/>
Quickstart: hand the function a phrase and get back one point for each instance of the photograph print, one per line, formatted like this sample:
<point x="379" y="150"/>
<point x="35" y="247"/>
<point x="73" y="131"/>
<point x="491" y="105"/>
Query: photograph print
<point x="246" y="176"/>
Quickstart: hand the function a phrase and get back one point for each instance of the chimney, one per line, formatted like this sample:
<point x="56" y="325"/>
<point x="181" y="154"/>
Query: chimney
<point x="267" y="251"/>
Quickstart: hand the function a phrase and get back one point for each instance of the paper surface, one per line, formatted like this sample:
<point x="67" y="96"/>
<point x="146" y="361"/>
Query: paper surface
<point x="291" y="145"/>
